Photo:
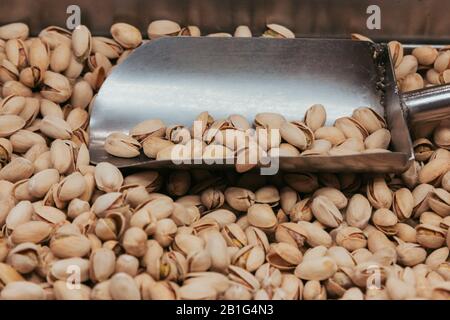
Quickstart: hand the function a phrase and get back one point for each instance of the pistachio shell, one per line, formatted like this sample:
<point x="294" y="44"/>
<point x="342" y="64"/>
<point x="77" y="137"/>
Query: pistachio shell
<point x="126" y="35"/>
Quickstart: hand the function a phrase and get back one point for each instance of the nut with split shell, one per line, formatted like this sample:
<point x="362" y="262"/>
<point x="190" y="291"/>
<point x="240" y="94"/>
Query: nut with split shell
<point x="121" y="145"/>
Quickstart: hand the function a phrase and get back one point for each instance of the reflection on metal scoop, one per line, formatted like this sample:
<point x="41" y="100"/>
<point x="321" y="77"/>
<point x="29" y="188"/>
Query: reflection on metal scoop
<point x="174" y="79"/>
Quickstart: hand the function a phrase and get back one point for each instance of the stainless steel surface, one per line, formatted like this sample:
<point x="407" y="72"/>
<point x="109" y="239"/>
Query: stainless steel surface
<point x="425" y="105"/>
<point x="405" y="20"/>
<point x="174" y="79"/>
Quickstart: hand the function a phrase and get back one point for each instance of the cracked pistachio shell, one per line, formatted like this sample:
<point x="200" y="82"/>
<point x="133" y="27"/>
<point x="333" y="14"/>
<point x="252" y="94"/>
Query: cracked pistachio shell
<point x="128" y="36"/>
<point x="351" y="238"/>
<point x="297" y="134"/>
<point x="107" y="47"/>
<point x="430" y="236"/>
<point x="128" y="264"/>
<point x="332" y="134"/>
<point x="24" y="257"/>
<point x="121" y="145"/>
<point x="148" y="128"/>
<point x="315" y="117"/>
<point x="191" y="31"/>
<point x="269" y="120"/>
<point x="107" y="177"/>
<point x="56" y="88"/>
<point x="351" y="128"/>
<point x="239" y="198"/>
<point x="284" y="256"/>
<point x="379" y="139"/>
<point x="439" y="202"/>
<point x="56" y="128"/>
<point x="334" y="195"/>
<point x="243" y="277"/>
<point x="54" y="36"/>
<point x="385" y="220"/>
<point x="369" y="119"/>
<point x="434" y="170"/>
<point x="326" y="212"/>
<point x="292" y="233"/>
<point x="22" y="290"/>
<point x="6" y="150"/>
<point x="262" y="216"/>
<point x="403" y="203"/>
<point x="423" y="149"/>
<point x="81" y="42"/>
<point x="18" y="169"/>
<point x="212" y="198"/>
<point x="162" y="28"/>
<point x="9" y="124"/>
<point x="12" y="105"/>
<point x="378" y="193"/>
<point x="250" y="257"/>
<point x="71" y="187"/>
<point x="17" y="53"/>
<point x="316" y="235"/>
<point x="358" y="211"/>
<point x="316" y="269"/>
<point x="278" y="31"/>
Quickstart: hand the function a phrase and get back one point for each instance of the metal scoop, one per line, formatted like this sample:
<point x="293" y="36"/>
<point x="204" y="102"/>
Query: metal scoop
<point x="174" y="79"/>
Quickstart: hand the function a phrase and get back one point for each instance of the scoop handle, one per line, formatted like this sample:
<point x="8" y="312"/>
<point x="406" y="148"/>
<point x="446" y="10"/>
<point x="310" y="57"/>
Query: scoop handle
<point x="429" y="104"/>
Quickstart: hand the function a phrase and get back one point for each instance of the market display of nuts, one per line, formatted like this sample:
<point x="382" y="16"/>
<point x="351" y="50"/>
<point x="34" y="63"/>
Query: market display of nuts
<point x="202" y="234"/>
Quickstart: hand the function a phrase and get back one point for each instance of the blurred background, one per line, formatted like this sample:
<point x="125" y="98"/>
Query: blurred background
<point x="419" y="21"/>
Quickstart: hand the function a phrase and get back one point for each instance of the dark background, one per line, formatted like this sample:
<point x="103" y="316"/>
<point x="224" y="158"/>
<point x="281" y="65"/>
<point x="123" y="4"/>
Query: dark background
<point x="419" y="21"/>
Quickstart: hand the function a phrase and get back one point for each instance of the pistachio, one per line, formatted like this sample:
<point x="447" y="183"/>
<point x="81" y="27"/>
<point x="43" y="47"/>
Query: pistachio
<point x="22" y="290"/>
<point x="332" y="134"/>
<point x="378" y="193"/>
<point x="161" y="28"/>
<point x="107" y="177"/>
<point x="262" y="216"/>
<point x="439" y="202"/>
<point x="121" y="145"/>
<point x="326" y="212"/>
<point x="81" y="42"/>
<point x="56" y="87"/>
<point x="123" y="287"/>
<point x="284" y="256"/>
<point x="407" y="66"/>
<point x="126" y="35"/>
<point x="430" y="236"/>
<point x="239" y="198"/>
<point x="316" y="269"/>
<point x="403" y="203"/>
<point x="297" y="134"/>
<point x="278" y="31"/>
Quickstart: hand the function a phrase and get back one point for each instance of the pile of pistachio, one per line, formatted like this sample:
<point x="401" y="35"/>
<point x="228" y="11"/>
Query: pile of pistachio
<point x="70" y="230"/>
<point x="364" y="132"/>
<point x="424" y="66"/>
